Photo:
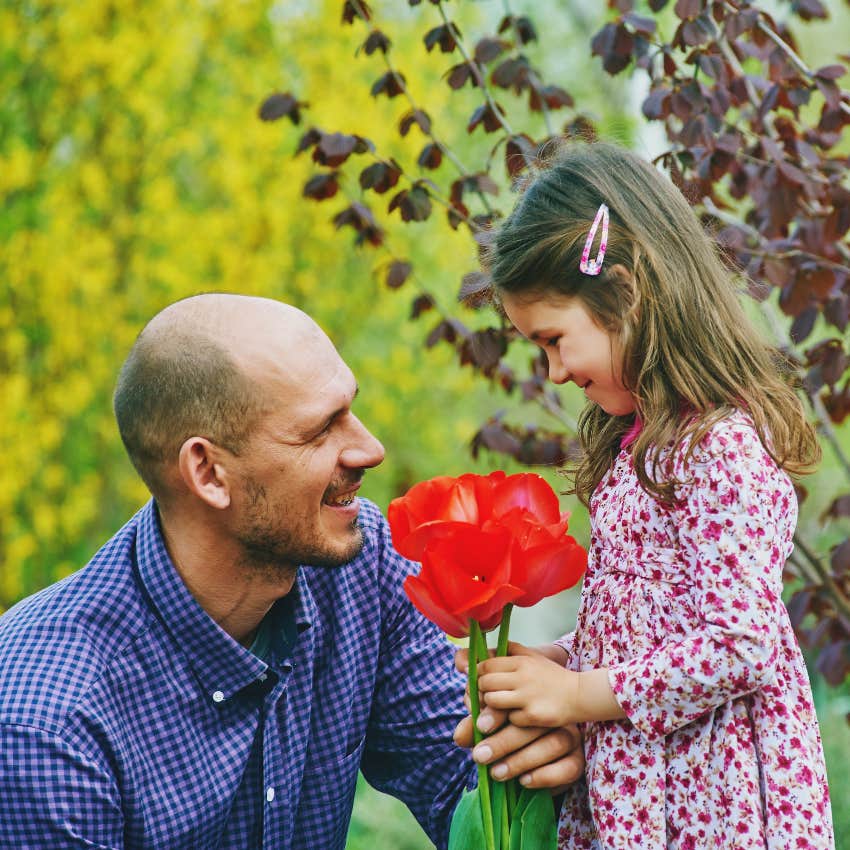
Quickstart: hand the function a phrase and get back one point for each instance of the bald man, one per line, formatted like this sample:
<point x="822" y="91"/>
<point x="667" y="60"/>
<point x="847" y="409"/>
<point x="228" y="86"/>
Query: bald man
<point x="219" y="672"/>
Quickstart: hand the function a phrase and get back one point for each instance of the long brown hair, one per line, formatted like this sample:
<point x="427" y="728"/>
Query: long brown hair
<point x="690" y="354"/>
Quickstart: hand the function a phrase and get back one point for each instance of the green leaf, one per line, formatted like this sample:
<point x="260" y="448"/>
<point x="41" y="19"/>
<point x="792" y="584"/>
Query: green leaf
<point x="499" y="802"/>
<point x="534" y="826"/>
<point x="467" y="829"/>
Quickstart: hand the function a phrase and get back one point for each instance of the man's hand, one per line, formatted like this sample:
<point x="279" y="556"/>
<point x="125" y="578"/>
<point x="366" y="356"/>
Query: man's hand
<point x="539" y="756"/>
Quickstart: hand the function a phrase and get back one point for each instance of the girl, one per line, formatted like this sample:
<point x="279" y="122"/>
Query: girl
<point x="683" y="670"/>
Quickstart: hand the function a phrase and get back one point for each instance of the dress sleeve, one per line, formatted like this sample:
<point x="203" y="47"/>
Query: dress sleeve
<point x="52" y="794"/>
<point x="417" y="704"/>
<point x="567" y="643"/>
<point x="736" y="518"/>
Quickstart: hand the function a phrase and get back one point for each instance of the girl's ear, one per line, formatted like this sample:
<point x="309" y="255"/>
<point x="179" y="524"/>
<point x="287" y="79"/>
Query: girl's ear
<point x="201" y="468"/>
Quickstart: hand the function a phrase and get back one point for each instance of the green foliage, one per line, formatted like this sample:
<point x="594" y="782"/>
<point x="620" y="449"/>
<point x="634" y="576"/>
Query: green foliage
<point x="134" y="171"/>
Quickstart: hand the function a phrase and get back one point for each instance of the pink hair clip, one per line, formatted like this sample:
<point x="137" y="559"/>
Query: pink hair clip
<point x="593" y="267"/>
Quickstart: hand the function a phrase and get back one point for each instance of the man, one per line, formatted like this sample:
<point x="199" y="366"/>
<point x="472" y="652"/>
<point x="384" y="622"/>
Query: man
<point x="197" y="685"/>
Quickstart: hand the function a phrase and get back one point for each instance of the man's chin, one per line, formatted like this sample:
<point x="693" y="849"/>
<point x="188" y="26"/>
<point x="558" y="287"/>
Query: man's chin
<point x="348" y="553"/>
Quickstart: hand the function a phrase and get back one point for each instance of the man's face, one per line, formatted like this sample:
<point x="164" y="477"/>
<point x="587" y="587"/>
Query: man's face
<point x="295" y="498"/>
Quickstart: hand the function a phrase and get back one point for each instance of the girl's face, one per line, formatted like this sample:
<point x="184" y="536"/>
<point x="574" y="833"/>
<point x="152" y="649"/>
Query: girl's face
<point x="578" y="349"/>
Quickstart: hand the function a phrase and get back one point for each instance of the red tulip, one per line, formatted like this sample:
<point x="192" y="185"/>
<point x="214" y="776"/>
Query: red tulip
<point x="483" y="541"/>
<point x="467" y="499"/>
<point x="465" y="576"/>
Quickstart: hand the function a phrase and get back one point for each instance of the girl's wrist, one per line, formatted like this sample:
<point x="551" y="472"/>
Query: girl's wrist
<point x="594" y="700"/>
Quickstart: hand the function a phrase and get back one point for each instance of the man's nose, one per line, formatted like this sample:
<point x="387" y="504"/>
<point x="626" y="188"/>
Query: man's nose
<point x="364" y="450"/>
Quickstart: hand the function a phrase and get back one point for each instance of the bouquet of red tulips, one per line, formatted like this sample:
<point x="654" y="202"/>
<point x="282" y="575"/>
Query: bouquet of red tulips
<point x="487" y="543"/>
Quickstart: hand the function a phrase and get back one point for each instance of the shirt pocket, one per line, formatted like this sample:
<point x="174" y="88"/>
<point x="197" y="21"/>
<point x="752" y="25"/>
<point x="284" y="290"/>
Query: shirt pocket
<point x="327" y="797"/>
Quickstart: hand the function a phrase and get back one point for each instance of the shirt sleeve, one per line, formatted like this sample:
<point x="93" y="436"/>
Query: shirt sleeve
<point x="54" y="795"/>
<point x="418" y="701"/>
<point x="734" y="533"/>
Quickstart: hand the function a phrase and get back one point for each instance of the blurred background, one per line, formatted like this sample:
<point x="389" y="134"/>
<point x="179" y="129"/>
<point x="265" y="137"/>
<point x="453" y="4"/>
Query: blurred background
<point x="134" y="171"/>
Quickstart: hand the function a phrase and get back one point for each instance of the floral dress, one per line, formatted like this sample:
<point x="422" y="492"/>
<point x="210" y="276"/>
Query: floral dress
<point x="721" y="747"/>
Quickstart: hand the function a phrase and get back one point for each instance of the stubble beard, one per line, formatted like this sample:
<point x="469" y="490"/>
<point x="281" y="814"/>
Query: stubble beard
<point x="272" y="548"/>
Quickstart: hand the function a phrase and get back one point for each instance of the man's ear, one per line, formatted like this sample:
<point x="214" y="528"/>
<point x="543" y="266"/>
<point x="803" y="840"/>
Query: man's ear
<point x="203" y="473"/>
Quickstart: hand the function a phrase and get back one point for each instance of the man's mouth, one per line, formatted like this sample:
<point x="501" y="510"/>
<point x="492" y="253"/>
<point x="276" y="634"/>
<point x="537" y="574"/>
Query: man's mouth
<point x="341" y="499"/>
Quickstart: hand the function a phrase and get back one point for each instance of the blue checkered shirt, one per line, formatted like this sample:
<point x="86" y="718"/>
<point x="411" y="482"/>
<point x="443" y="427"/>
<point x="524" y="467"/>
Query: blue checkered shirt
<point x="129" y="719"/>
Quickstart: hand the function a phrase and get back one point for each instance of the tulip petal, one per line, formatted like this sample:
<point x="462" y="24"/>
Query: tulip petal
<point x="530" y="491"/>
<point x="426" y="535"/>
<point x="420" y="594"/>
<point x="546" y="570"/>
<point x="489" y="613"/>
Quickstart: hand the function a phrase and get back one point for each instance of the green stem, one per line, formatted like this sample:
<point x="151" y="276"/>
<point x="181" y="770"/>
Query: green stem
<point x="475" y="640"/>
<point x="504" y="628"/>
<point x="502" y="649"/>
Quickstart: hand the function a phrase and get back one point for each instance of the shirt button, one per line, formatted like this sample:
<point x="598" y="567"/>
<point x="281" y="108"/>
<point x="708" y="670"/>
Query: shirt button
<point x="218" y="696"/>
<point x="263" y="677"/>
<point x="269" y="794"/>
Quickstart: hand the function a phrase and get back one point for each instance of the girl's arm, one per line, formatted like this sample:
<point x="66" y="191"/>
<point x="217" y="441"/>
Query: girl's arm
<point x="537" y="691"/>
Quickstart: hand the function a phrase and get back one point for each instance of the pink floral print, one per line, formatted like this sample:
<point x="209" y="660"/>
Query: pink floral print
<point x="721" y="747"/>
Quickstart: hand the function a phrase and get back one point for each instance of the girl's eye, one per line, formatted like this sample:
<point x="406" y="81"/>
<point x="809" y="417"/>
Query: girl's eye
<point x="552" y="341"/>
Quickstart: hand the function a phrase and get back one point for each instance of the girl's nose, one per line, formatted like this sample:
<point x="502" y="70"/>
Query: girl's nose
<point x="558" y="372"/>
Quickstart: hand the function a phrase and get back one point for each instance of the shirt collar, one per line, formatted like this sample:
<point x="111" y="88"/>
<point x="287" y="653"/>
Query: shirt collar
<point x="221" y="664"/>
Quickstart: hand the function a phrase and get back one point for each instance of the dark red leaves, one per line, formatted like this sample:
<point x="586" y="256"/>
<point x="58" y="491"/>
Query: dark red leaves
<point x="421" y="304"/>
<point x="614" y="43"/>
<point x="415" y="116"/>
<point x="475" y="290"/>
<point x="446" y="36"/>
<point x="376" y="40"/>
<point x="755" y="142"/>
<point x="553" y="97"/>
<point x="355" y="9"/>
<point x="511" y="74"/>
<point x="333" y="149"/>
<point x="431" y="156"/>
<point x="488" y="116"/>
<point x="380" y="176"/>
<point x="688" y="9"/>
<point x="520" y="152"/>
<point x="308" y="140"/>
<point x="391" y="84"/>
<point x="360" y="218"/>
<point x="322" y="186"/>
<point x="522" y="27"/>
<point x="461" y="74"/>
<point x="397" y="273"/>
<point x="279" y="105"/>
<point x="413" y="204"/>
<point x="809" y="9"/>
<point x="489" y="49"/>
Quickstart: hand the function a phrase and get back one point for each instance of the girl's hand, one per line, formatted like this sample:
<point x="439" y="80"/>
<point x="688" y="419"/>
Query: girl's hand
<point x="536" y="691"/>
<point x="533" y="689"/>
